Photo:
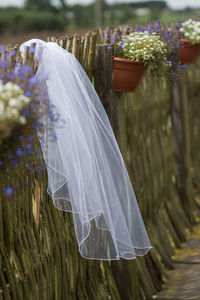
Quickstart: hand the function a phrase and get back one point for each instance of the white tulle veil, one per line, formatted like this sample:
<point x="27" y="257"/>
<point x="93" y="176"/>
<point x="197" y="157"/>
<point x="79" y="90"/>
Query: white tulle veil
<point x="86" y="172"/>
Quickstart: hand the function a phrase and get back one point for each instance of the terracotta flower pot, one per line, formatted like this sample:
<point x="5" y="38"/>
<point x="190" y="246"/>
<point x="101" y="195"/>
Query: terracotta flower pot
<point x="127" y="74"/>
<point x="189" y="52"/>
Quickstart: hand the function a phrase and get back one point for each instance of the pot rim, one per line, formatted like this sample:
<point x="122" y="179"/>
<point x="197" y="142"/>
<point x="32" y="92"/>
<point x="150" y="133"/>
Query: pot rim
<point x="185" y="41"/>
<point x="126" y="60"/>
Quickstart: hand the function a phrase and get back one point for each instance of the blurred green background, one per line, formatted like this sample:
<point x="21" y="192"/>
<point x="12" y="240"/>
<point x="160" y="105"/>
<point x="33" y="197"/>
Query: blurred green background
<point x="43" y="16"/>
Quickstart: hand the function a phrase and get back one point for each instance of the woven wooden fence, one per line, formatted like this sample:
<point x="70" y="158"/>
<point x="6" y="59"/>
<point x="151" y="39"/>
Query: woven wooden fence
<point x="157" y="131"/>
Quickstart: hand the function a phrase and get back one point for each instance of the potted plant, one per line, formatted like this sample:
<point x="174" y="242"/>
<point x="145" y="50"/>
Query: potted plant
<point x="190" y="41"/>
<point x="134" y="53"/>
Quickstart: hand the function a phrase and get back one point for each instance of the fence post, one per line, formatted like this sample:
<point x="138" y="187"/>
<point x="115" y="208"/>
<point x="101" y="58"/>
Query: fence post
<point x="103" y="79"/>
<point x="103" y="75"/>
<point x="180" y="123"/>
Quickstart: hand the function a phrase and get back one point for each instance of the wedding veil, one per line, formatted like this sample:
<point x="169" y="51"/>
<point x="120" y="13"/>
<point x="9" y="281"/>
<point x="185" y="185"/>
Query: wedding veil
<point x="86" y="172"/>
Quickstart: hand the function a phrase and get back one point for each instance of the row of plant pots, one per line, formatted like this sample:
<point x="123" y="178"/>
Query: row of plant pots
<point x="129" y="72"/>
<point x="188" y="53"/>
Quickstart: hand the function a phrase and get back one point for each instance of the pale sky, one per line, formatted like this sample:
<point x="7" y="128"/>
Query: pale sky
<point x="172" y="3"/>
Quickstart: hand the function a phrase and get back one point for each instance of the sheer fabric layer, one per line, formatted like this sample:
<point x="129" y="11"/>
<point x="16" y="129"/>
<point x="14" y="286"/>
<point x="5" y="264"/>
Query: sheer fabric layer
<point x="86" y="171"/>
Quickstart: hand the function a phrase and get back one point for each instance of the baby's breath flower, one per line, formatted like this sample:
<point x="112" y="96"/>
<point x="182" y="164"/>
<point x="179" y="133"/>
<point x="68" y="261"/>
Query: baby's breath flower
<point x="22" y="120"/>
<point x="144" y="47"/>
<point x="191" y="31"/>
<point x="12" y="102"/>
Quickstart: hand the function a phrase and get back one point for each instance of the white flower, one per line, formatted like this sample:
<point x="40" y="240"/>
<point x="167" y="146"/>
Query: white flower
<point x="2" y="106"/>
<point x="191" y="30"/>
<point x="13" y="102"/>
<point x="22" y="120"/>
<point x="9" y="85"/>
<point x="24" y="99"/>
<point x="143" y="46"/>
<point x="6" y="95"/>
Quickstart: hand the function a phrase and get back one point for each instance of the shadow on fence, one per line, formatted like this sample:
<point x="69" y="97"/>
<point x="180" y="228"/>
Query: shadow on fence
<point x="157" y="129"/>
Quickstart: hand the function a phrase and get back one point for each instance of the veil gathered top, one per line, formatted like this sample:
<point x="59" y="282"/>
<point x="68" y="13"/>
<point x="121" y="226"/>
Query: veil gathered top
<point x="86" y="172"/>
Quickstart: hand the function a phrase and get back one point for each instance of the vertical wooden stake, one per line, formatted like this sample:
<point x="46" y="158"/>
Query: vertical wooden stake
<point x="74" y="45"/>
<point x="103" y="74"/>
<point x="91" y="56"/>
<point x="37" y="203"/>
<point x="86" y="51"/>
<point x="26" y="55"/>
<point x="32" y="56"/>
<point x="181" y="131"/>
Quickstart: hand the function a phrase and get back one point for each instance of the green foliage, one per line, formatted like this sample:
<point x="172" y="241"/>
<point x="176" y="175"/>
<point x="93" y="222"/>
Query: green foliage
<point x="149" y="4"/>
<point x="43" y="15"/>
<point x="116" y="14"/>
<point x="23" y="20"/>
<point x="41" y="4"/>
<point x="45" y="4"/>
<point x="83" y="15"/>
<point x="175" y="16"/>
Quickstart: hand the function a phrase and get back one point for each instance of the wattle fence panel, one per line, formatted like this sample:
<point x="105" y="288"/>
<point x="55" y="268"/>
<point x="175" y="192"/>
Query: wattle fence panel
<point x="157" y="129"/>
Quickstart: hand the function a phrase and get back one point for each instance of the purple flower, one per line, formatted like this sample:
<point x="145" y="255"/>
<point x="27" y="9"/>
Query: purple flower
<point x="14" y="162"/>
<point x="30" y="138"/>
<point x="13" y="52"/>
<point x="32" y="49"/>
<point x="33" y="80"/>
<point x="10" y="156"/>
<point x="21" y="138"/>
<point x="20" y="151"/>
<point x="29" y="151"/>
<point x="54" y="137"/>
<point x="2" y="48"/>
<point x="31" y="168"/>
<point x="28" y="146"/>
<point x="44" y="76"/>
<point x="26" y="113"/>
<point x="26" y="69"/>
<point x="28" y="93"/>
<point x="8" y="56"/>
<point x="9" y="191"/>
<point x="18" y="65"/>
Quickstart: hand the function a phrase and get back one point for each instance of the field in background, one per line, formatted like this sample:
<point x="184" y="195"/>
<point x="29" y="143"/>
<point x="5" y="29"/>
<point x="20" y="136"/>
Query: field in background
<point x="36" y="20"/>
<point x="20" y="38"/>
